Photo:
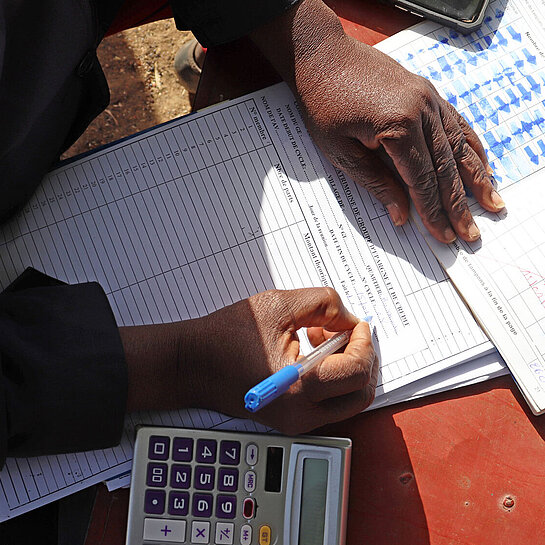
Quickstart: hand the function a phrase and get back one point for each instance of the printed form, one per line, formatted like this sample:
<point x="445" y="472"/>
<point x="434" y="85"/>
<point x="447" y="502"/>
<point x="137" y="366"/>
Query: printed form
<point x="204" y="211"/>
<point x="495" y="78"/>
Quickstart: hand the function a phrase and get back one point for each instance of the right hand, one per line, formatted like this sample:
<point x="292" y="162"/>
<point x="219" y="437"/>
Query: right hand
<point x="240" y="345"/>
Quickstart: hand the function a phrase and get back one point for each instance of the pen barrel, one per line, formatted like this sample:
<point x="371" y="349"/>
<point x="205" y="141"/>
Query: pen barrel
<point x="270" y="388"/>
<point x="321" y="352"/>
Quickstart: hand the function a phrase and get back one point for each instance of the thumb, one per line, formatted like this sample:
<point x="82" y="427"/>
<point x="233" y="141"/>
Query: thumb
<point x="366" y="168"/>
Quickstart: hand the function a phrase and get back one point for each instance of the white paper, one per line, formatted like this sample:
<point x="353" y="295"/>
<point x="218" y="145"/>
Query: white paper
<point x="204" y="211"/>
<point x="495" y="78"/>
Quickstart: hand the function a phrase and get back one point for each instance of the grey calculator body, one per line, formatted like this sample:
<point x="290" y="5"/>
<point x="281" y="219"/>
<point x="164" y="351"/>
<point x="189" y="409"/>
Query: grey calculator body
<point x="220" y="487"/>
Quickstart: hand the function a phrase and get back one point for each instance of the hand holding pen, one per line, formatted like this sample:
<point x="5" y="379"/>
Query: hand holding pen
<point x="277" y="384"/>
<point x="222" y="355"/>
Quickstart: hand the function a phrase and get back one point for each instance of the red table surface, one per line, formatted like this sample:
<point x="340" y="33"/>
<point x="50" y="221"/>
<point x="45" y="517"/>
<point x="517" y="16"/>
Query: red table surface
<point x="462" y="467"/>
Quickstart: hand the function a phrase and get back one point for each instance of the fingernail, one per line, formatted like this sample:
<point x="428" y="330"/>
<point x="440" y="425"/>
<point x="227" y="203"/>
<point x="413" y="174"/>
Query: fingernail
<point x="395" y="214"/>
<point x="450" y="235"/>
<point x="497" y="200"/>
<point x="473" y="232"/>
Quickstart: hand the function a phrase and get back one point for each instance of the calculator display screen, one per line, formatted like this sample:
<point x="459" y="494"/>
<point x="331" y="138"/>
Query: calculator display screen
<point x="313" y="502"/>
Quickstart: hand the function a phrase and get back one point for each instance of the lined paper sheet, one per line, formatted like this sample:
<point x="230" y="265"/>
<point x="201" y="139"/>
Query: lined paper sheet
<point x="495" y="78"/>
<point x="204" y="211"/>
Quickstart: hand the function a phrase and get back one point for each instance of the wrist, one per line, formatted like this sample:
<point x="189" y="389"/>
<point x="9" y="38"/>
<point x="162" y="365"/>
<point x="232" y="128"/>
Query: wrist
<point x="161" y="364"/>
<point x="301" y="41"/>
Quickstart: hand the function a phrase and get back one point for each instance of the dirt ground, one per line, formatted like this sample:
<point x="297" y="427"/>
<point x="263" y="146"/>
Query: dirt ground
<point x="144" y="88"/>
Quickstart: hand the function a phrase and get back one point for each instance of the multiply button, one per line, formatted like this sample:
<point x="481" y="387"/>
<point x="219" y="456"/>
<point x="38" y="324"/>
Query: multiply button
<point x="251" y="454"/>
<point x="245" y="534"/>
<point x="249" y="481"/>
<point x="200" y="532"/>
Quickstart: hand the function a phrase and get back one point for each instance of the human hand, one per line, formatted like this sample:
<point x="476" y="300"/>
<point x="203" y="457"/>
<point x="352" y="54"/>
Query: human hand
<point x="371" y="117"/>
<point x="240" y="345"/>
<point x="367" y="113"/>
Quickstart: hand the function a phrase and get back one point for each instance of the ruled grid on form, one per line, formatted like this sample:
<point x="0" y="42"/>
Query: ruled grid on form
<point x="203" y="211"/>
<point x="495" y="77"/>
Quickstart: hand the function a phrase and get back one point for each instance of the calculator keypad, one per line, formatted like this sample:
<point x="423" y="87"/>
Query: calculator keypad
<point x="199" y="479"/>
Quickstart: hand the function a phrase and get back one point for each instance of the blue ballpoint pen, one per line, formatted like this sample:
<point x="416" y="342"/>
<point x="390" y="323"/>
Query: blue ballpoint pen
<point x="278" y="383"/>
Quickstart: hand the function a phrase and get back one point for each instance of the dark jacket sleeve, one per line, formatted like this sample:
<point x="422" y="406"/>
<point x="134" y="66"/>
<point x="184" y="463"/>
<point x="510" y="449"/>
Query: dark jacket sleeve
<point x="63" y="379"/>
<point x="215" y="22"/>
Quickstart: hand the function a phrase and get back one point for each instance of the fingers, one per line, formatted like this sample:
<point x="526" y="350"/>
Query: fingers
<point x="471" y="160"/>
<point x="451" y="189"/>
<point x="411" y="156"/>
<point x="343" y="373"/>
<point x="367" y="169"/>
<point x="315" y="307"/>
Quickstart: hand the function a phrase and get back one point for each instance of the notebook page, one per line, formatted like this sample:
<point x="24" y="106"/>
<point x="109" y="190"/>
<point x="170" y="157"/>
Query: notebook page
<point x="495" y="78"/>
<point x="209" y="209"/>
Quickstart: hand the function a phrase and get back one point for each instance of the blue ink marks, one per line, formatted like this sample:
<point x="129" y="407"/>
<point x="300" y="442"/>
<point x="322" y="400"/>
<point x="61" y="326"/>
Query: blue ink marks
<point x="499" y="13"/>
<point x="460" y="65"/>
<point x="434" y="74"/>
<point x="501" y="40"/>
<point x="445" y="67"/>
<point x="535" y="87"/>
<point x="539" y="120"/>
<point x="475" y="89"/>
<point x="541" y="145"/>
<point x="462" y="90"/>
<point x="451" y="97"/>
<point x="489" y="111"/>
<point x="502" y="105"/>
<point x="525" y="94"/>
<point x="534" y="157"/>
<point x="492" y="46"/>
<point x="478" y="116"/>
<point x="529" y="57"/>
<point x="495" y="146"/>
<point x="514" y="100"/>
<point x="454" y="35"/>
<point x="505" y="137"/>
<point x="442" y="39"/>
<point x="514" y="34"/>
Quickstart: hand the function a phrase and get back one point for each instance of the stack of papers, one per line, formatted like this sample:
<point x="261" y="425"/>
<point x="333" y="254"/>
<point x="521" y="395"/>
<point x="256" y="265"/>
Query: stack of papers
<point x="206" y="210"/>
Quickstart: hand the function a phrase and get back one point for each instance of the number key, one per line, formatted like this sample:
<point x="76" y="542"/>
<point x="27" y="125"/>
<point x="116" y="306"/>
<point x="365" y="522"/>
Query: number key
<point x="228" y="479"/>
<point x="157" y="475"/>
<point x="206" y="451"/>
<point x="182" y="449"/>
<point x="204" y="478"/>
<point x="229" y="453"/>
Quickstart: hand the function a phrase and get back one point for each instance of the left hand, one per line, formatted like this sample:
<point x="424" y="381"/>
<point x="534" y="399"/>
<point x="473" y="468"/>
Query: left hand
<point x="371" y="118"/>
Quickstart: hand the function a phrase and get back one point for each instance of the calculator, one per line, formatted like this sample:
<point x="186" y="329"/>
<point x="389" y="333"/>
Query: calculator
<point x="222" y="487"/>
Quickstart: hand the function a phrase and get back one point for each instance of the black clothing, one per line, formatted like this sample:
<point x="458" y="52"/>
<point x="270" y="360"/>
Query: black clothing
<point x="63" y="380"/>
